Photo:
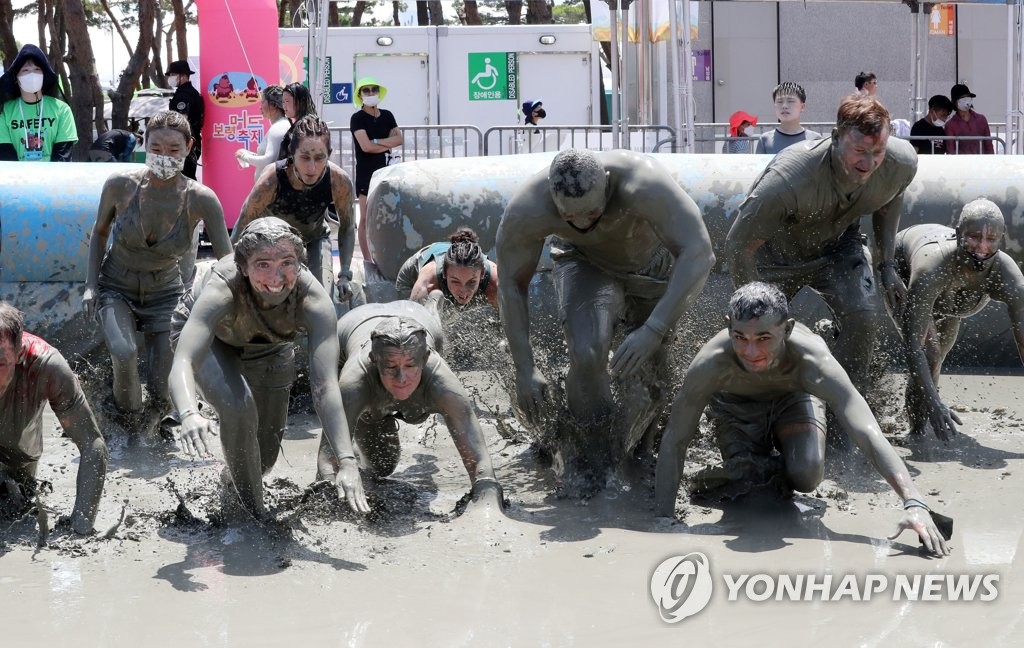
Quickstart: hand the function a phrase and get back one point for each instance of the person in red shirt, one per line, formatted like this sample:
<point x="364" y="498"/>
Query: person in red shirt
<point x="967" y="123"/>
<point x="33" y="374"/>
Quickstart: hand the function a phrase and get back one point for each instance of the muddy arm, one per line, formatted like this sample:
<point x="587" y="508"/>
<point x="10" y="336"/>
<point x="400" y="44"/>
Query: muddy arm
<point x="256" y="204"/>
<point x="1010" y="291"/>
<point x="322" y="328"/>
<point x="81" y="427"/>
<point x="341" y="193"/>
<point x="426" y="281"/>
<point x="884" y="224"/>
<point x="828" y="381"/>
<point x="209" y="210"/>
<point x="760" y="217"/>
<point x="112" y="188"/>
<point x="698" y="386"/>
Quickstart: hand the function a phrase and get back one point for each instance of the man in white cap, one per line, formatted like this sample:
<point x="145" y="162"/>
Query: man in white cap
<point x="189" y="102"/>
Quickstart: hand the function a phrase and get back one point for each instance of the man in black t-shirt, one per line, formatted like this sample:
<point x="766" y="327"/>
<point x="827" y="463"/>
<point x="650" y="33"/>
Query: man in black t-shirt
<point x="931" y="125"/>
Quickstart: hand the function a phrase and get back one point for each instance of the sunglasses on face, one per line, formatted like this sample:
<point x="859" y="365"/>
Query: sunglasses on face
<point x="370" y="90"/>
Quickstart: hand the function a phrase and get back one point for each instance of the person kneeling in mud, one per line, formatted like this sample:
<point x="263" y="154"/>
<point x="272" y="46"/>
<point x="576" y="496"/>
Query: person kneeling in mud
<point x="767" y="380"/>
<point x="628" y="245"/>
<point x="457" y="271"/>
<point x="32" y="374"/>
<point x="234" y="334"/>
<point x="393" y="370"/>
<point x="950" y="274"/>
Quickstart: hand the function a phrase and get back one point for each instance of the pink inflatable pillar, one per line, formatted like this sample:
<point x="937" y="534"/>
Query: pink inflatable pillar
<point x="238" y="58"/>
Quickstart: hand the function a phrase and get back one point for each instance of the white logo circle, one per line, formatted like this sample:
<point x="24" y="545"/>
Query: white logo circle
<point x="681" y="586"/>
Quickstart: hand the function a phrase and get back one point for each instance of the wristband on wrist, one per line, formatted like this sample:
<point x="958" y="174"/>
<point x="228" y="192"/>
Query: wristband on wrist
<point x="660" y="331"/>
<point x="347" y="274"/>
<point x="348" y="456"/>
<point x="186" y="413"/>
<point x="914" y="503"/>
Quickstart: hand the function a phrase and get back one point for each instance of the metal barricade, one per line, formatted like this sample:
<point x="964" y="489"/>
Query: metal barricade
<point x="421" y="143"/>
<point x="510" y="140"/>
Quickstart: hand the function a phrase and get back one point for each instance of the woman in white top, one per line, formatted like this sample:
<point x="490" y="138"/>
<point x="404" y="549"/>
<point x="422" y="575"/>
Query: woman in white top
<point x="272" y="109"/>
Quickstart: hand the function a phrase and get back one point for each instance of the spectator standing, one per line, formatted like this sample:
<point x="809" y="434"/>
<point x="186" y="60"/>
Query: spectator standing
<point x="932" y="125"/>
<point x="37" y="125"/>
<point x="189" y="102"/>
<point x="297" y="103"/>
<point x="375" y="132"/>
<point x="967" y="123"/>
<point x="741" y="127"/>
<point x="789" y="100"/>
<point x="272" y="109"/>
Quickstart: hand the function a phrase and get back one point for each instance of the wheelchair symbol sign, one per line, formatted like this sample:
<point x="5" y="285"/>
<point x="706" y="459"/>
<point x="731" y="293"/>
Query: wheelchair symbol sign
<point x="493" y="75"/>
<point x="341" y="93"/>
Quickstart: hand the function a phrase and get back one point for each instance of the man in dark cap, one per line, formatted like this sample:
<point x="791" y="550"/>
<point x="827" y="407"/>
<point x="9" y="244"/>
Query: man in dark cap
<point x="932" y="125"/>
<point x="188" y="102"/>
<point x="967" y="123"/>
<point x="533" y="112"/>
<point x="35" y="125"/>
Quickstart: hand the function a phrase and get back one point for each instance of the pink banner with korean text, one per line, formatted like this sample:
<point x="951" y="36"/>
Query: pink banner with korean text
<point x="239" y="58"/>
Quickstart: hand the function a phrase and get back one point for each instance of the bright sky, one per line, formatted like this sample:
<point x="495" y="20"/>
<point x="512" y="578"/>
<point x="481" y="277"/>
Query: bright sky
<point x="107" y="48"/>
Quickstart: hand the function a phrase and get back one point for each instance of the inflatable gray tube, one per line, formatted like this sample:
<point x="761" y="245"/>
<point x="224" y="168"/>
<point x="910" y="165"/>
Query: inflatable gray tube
<point x="416" y="203"/>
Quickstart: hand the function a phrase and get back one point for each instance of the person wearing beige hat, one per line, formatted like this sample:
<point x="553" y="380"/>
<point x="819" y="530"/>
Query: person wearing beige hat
<point x="376" y="132"/>
<point x="967" y="123"/>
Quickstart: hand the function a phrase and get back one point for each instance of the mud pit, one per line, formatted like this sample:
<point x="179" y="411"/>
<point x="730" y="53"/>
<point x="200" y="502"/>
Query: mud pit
<point x="556" y="572"/>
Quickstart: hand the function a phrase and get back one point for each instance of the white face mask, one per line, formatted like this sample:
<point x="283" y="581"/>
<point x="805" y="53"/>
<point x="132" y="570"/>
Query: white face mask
<point x="172" y="81"/>
<point x="31" y="82"/>
<point x="964" y="104"/>
<point x="371" y="100"/>
<point x="748" y="131"/>
<point x="939" y="122"/>
<point x="164" y="167"/>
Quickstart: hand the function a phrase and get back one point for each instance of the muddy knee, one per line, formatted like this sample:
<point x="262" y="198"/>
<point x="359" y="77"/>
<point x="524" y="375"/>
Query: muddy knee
<point x="805" y="477"/>
<point x="124" y="350"/>
<point x="377" y="445"/>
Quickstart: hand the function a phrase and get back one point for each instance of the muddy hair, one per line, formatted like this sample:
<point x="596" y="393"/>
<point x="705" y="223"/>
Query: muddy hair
<point x="308" y="126"/>
<point x="758" y="299"/>
<point x="11" y="325"/>
<point x="465" y="250"/>
<point x="980" y="209"/>
<point x="402" y="333"/>
<point x="274" y="95"/>
<point x="865" y="114"/>
<point x="575" y="172"/>
<point x="789" y="88"/>
<point x="303" y="101"/>
<point x="170" y="120"/>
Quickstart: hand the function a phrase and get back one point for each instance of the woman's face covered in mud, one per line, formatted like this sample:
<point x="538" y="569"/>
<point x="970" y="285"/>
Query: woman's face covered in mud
<point x="400" y="371"/>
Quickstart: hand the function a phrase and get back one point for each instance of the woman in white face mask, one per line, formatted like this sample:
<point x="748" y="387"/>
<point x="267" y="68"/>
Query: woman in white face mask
<point x="36" y="125"/>
<point x="376" y="133"/>
<point x="134" y="285"/>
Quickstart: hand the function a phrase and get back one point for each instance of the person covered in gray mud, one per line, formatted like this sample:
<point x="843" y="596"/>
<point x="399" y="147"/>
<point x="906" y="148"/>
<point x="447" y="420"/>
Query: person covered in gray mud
<point x="628" y="245"/>
<point x="800" y="224"/>
<point x="299" y="192"/>
<point x="950" y="274"/>
<point x="766" y="380"/>
<point x="392" y="371"/>
<point x="32" y="375"/>
<point x="457" y="271"/>
<point x="234" y="333"/>
<point x="135" y="284"/>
